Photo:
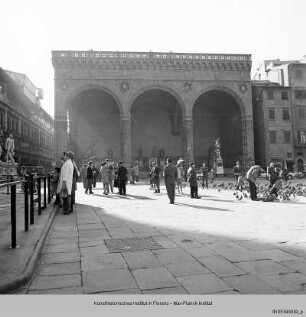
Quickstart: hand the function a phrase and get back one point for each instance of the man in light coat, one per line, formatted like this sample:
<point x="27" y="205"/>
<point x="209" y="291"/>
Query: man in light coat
<point x="65" y="181"/>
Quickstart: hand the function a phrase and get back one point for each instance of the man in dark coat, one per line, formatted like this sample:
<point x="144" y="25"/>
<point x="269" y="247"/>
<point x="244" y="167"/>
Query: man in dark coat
<point x="155" y="177"/>
<point x="89" y="179"/>
<point x="170" y="176"/>
<point x="252" y="174"/>
<point x="272" y="174"/>
<point x="122" y="178"/>
<point x="192" y="178"/>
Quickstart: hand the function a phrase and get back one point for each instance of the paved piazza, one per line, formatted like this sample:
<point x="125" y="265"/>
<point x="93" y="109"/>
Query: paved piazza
<point x="213" y="245"/>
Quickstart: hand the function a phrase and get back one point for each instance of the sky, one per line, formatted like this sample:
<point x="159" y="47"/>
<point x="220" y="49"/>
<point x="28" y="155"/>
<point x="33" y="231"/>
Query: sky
<point x="30" y="30"/>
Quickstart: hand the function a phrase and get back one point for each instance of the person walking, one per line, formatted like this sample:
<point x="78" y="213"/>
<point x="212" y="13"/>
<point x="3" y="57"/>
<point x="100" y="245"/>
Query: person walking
<point x="89" y="177"/>
<point x="272" y="174"/>
<point x="155" y="177"/>
<point x="204" y="175"/>
<point x="76" y="174"/>
<point x="122" y="178"/>
<point x="136" y="169"/>
<point x="94" y="176"/>
<point x="192" y="178"/>
<point x="252" y="174"/>
<point x="180" y="175"/>
<point x="170" y="176"/>
<point x="111" y="174"/>
<point x="237" y="170"/>
<point x="65" y="182"/>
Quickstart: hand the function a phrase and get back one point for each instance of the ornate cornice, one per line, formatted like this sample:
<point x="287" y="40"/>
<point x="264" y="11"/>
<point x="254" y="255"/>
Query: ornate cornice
<point x="151" y="60"/>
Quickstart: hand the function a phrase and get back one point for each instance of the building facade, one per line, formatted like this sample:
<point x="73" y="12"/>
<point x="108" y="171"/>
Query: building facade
<point x="134" y="106"/>
<point x="291" y="74"/>
<point x="273" y="124"/>
<point x="21" y="114"/>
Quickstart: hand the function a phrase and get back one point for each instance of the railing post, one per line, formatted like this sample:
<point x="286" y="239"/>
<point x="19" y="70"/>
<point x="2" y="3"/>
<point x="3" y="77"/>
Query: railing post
<point x="26" y="204"/>
<point x="32" y="199"/>
<point x="45" y="192"/>
<point x="13" y="215"/>
<point x="39" y="194"/>
<point x="49" y="188"/>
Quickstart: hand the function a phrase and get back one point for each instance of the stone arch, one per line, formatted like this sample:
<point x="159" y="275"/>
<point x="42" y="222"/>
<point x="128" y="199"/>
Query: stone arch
<point x="224" y="89"/>
<point x="157" y="87"/>
<point x="84" y="88"/>
<point x="218" y="112"/>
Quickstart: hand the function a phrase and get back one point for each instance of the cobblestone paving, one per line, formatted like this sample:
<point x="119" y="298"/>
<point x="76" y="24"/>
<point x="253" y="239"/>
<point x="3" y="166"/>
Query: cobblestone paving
<point x="214" y="245"/>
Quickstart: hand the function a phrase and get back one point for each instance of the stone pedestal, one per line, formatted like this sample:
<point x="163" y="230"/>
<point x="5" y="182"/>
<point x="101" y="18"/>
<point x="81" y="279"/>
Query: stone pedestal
<point x="8" y="168"/>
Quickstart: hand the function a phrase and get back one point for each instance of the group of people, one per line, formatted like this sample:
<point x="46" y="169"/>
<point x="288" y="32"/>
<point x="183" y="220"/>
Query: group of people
<point x="274" y="175"/>
<point x="110" y="176"/>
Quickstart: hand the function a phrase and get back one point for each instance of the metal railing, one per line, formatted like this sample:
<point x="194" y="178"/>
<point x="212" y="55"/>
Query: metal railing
<point x="31" y="186"/>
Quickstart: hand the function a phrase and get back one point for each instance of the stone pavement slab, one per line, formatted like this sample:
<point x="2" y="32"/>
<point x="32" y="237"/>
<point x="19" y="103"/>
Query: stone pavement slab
<point x="186" y="268"/>
<point x="49" y="258"/>
<point x="94" y="250"/>
<point x="221" y="266"/>
<point x="201" y="252"/>
<point x="121" y="232"/>
<point x="165" y="242"/>
<point x="49" y="282"/>
<point x="152" y="278"/>
<point x="247" y="284"/>
<point x="165" y="291"/>
<point x="59" y="269"/>
<point x="90" y="226"/>
<point x="141" y="259"/>
<point x="61" y="248"/>
<point x="264" y="267"/>
<point x="75" y="290"/>
<point x="94" y="262"/>
<point x="286" y="282"/>
<point x="298" y="265"/>
<point x="108" y="280"/>
<point x="172" y="255"/>
<point x="203" y="284"/>
<point x="276" y="255"/>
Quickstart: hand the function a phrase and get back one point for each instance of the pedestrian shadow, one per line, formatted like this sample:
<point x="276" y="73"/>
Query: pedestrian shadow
<point x="204" y="207"/>
<point x="226" y="200"/>
<point x="136" y="197"/>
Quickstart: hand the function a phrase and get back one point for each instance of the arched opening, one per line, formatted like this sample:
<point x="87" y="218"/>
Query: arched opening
<point x="156" y="127"/>
<point x="216" y="114"/>
<point x="94" y="126"/>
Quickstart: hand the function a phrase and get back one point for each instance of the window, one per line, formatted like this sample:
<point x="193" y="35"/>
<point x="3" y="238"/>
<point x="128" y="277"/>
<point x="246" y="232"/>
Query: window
<point x="272" y="136"/>
<point x="271" y="113"/>
<point x="287" y="137"/>
<point x="302" y="137"/>
<point x="285" y="95"/>
<point x="300" y="94"/>
<point x="301" y="112"/>
<point x="299" y="74"/>
<point x="286" y="114"/>
<point x="270" y="95"/>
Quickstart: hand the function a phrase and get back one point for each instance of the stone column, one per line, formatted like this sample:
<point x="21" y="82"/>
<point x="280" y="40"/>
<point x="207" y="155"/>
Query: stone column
<point x="6" y="123"/>
<point x="247" y="140"/>
<point x="60" y="125"/>
<point x="126" y="138"/>
<point x="187" y="122"/>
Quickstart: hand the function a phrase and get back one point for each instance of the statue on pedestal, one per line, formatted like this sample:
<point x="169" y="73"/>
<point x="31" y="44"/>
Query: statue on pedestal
<point x="218" y="162"/>
<point x="10" y="147"/>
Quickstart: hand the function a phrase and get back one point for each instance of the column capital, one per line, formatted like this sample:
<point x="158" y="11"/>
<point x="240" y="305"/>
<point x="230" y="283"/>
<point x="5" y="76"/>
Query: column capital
<point x="247" y="118"/>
